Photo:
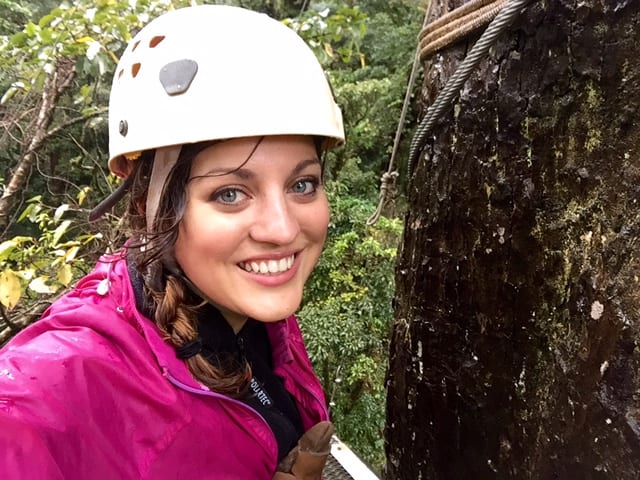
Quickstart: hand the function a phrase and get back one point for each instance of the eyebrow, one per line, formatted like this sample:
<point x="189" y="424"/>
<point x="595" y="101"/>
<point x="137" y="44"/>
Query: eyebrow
<point x="246" y="174"/>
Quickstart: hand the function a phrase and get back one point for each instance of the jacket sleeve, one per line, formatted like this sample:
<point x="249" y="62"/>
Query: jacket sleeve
<point x="47" y="396"/>
<point x="23" y="453"/>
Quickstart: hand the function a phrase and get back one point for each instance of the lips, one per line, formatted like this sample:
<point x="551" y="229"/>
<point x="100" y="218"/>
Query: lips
<point x="268" y="267"/>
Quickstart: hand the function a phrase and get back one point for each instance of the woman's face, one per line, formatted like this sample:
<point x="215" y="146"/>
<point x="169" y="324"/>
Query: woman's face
<point x="251" y="236"/>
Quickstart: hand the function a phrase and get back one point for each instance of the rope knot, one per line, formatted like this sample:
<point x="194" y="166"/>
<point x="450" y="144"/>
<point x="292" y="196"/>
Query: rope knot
<point x="387" y="180"/>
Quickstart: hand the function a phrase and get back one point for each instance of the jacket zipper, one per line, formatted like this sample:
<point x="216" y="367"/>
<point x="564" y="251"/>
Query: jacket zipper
<point x="304" y="387"/>
<point x="209" y="393"/>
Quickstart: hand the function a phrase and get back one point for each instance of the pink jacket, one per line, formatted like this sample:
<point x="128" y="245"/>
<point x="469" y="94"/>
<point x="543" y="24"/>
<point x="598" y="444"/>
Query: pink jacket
<point x="91" y="391"/>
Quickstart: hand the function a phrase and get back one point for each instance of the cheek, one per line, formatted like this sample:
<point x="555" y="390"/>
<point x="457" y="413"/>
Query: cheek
<point x="182" y="242"/>
<point x="191" y="239"/>
<point x="204" y="237"/>
<point x="318" y="221"/>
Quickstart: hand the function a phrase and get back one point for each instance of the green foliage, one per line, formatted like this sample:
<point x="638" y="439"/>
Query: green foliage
<point x="372" y="96"/>
<point x="346" y="320"/>
<point x="33" y="266"/>
<point x="333" y="30"/>
<point x="273" y="8"/>
<point x="368" y="110"/>
<point x="90" y="35"/>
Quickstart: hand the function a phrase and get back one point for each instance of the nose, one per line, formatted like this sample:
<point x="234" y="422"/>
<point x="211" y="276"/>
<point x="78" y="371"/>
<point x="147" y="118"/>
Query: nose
<point x="276" y="221"/>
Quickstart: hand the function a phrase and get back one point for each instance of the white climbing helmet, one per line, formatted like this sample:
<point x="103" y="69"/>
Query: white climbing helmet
<point x="214" y="72"/>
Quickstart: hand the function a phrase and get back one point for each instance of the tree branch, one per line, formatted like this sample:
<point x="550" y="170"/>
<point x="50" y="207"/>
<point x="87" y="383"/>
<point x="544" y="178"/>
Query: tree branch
<point x="55" y="85"/>
<point x="73" y="121"/>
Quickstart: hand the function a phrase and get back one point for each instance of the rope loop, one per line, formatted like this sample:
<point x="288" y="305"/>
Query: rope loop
<point x="457" y="25"/>
<point x="435" y="36"/>
<point x="387" y="181"/>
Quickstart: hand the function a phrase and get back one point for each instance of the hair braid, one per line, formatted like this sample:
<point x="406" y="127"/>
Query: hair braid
<point x="177" y="319"/>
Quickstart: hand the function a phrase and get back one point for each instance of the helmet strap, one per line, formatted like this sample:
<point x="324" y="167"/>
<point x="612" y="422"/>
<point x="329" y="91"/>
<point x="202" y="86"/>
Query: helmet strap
<point x="163" y="162"/>
<point x="108" y="203"/>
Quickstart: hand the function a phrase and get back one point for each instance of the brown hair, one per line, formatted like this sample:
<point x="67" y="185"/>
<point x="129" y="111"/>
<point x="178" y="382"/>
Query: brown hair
<point x="174" y="305"/>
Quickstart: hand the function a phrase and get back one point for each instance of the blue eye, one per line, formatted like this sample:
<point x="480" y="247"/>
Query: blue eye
<point x="229" y="196"/>
<point x="305" y="187"/>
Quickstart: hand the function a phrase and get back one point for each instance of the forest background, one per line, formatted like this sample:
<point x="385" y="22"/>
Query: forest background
<point x="57" y="61"/>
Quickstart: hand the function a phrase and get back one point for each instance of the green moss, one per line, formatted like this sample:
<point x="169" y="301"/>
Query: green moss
<point x="593" y="141"/>
<point x="594" y="98"/>
<point x="526" y="124"/>
<point x="592" y="106"/>
<point x="488" y="189"/>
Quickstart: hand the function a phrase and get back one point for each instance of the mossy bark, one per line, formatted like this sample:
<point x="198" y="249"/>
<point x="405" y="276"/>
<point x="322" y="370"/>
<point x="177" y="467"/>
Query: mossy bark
<point x="515" y="348"/>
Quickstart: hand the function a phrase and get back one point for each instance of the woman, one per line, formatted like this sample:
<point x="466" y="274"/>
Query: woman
<point x="179" y="356"/>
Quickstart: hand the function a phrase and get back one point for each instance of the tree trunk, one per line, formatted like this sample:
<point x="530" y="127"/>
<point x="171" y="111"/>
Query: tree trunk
<point x="56" y="83"/>
<point x="515" y="348"/>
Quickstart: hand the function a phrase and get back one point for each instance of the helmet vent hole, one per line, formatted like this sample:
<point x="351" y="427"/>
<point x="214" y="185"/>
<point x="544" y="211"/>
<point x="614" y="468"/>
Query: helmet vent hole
<point x="135" y="45"/>
<point x="155" y="41"/>
<point x="135" y="68"/>
<point x="120" y="73"/>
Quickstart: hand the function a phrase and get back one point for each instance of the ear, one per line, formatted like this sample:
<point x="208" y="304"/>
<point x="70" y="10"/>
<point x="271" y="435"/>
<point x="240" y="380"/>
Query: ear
<point x="121" y="167"/>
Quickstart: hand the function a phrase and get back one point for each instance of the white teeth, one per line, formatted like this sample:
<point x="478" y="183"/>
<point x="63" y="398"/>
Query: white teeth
<point x="270" y="266"/>
<point x="282" y="265"/>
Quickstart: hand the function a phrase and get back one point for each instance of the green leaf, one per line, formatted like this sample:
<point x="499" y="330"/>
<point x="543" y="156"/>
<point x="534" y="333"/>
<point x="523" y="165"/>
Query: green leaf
<point x="30" y="29"/>
<point x="85" y="40"/>
<point x="44" y="21"/>
<point x="18" y="40"/>
<point x="9" y="246"/>
<point x="8" y="95"/>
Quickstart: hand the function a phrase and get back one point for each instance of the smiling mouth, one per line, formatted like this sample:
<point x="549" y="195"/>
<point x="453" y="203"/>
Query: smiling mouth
<point x="268" y="267"/>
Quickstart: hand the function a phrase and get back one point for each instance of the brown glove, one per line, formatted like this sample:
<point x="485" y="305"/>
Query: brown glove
<point x="307" y="459"/>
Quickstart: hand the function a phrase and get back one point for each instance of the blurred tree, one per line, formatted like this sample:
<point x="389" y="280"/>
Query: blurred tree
<point x="13" y="16"/>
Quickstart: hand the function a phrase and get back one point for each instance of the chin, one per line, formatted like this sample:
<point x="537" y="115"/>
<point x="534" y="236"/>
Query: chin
<point x="275" y="313"/>
<point x="274" y="316"/>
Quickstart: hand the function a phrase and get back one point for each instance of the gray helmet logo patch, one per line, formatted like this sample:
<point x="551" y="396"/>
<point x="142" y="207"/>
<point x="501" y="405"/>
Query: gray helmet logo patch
<point x="176" y="77"/>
